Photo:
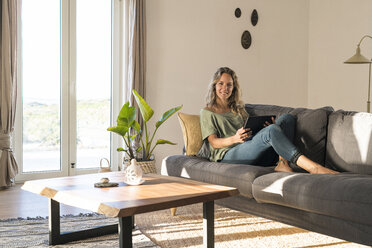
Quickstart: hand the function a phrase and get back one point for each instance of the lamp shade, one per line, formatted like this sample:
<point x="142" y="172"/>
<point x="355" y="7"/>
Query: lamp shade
<point x="358" y="58"/>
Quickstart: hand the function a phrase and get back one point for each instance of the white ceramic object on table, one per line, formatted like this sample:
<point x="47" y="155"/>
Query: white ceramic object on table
<point x="133" y="174"/>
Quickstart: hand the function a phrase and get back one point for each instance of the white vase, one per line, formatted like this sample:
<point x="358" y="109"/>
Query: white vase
<point x="133" y="174"/>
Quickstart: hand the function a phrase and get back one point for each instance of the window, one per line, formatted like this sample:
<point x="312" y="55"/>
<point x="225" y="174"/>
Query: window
<point x="93" y="81"/>
<point x="41" y="42"/>
<point x="65" y="93"/>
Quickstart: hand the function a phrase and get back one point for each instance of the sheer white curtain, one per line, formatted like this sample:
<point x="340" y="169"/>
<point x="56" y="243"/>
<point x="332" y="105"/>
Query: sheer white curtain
<point x="8" y="89"/>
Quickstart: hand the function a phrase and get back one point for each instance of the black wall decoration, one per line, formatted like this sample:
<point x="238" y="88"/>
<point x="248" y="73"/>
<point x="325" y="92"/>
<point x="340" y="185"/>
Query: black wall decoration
<point x="238" y="12"/>
<point x="254" y="17"/>
<point x="246" y="39"/>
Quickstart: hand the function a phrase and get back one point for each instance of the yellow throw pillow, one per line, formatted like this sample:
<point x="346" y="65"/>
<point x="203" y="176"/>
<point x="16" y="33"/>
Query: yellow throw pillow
<point x="191" y="131"/>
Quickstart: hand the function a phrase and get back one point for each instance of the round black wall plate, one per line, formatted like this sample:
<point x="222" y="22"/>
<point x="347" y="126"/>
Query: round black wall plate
<point x="238" y="12"/>
<point x="246" y="39"/>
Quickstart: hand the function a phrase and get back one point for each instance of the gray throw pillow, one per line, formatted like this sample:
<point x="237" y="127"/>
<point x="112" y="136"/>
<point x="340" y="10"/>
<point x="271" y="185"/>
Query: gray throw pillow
<point x="311" y="132"/>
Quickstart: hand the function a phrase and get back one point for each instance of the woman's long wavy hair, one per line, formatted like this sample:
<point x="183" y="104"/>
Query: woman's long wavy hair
<point x="234" y="102"/>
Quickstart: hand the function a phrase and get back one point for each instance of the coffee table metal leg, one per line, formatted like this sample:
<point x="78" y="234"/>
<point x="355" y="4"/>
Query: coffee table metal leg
<point x="208" y="224"/>
<point x="125" y="231"/>
<point x="56" y="237"/>
<point x="54" y="222"/>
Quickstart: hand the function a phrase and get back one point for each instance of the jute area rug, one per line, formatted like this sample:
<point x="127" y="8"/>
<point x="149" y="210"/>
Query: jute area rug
<point x="160" y="229"/>
<point x="34" y="232"/>
<point x="232" y="229"/>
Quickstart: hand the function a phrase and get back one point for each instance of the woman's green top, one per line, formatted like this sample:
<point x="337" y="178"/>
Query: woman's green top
<point x="223" y="125"/>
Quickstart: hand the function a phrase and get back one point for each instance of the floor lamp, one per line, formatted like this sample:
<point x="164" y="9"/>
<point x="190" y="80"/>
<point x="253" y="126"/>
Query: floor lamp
<point x="358" y="58"/>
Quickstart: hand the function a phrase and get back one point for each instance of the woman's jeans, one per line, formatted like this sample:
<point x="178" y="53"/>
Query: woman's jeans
<point x="264" y="147"/>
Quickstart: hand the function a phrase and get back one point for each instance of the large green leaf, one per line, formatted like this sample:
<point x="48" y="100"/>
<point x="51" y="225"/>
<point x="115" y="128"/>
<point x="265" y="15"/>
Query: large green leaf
<point x="137" y="127"/>
<point x="167" y="114"/>
<point x="127" y="115"/>
<point x="161" y="142"/>
<point x="121" y="130"/>
<point x="146" y="110"/>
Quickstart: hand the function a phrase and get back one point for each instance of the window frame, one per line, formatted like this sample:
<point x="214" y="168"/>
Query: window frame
<point x="68" y="90"/>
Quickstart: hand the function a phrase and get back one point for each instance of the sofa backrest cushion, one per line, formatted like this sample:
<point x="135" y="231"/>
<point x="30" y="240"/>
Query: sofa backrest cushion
<point x="311" y="132"/>
<point x="311" y="128"/>
<point x="349" y="143"/>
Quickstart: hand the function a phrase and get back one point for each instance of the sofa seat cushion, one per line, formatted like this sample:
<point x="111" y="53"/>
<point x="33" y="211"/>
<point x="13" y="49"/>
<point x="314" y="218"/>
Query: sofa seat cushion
<point x="240" y="176"/>
<point x="346" y="196"/>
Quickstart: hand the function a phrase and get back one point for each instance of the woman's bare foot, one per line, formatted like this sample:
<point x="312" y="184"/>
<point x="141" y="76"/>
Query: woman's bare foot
<point x="322" y="170"/>
<point x="282" y="166"/>
<point x="313" y="167"/>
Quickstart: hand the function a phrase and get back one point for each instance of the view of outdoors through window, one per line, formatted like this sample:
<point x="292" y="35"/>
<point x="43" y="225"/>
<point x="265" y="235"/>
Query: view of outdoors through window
<point x="41" y="85"/>
<point x="41" y="80"/>
<point x="93" y="81"/>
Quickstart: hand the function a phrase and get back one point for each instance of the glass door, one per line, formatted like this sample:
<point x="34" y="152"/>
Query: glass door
<point x="64" y="103"/>
<point x="41" y="103"/>
<point x="92" y="107"/>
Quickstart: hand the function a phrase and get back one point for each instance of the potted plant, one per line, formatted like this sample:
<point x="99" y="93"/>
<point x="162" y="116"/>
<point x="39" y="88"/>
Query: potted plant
<point x="125" y="124"/>
<point x="128" y="128"/>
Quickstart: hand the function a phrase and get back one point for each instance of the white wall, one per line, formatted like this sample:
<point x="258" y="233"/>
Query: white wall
<point x="187" y="40"/>
<point x="335" y="28"/>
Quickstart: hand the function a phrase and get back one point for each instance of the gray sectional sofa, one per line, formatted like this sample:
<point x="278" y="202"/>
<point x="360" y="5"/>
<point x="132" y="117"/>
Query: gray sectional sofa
<point x="335" y="205"/>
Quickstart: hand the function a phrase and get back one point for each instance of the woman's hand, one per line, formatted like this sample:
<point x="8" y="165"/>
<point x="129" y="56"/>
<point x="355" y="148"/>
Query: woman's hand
<point x="242" y="135"/>
<point x="266" y="124"/>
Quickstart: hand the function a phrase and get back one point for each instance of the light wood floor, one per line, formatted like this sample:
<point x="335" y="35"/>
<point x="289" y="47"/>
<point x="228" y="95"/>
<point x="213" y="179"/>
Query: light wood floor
<point x="15" y="202"/>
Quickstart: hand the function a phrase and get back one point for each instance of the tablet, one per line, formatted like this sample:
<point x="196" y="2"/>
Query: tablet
<point x="256" y="123"/>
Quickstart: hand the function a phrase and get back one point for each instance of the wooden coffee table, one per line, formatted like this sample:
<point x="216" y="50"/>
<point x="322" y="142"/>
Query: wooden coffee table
<point x="156" y="193"/>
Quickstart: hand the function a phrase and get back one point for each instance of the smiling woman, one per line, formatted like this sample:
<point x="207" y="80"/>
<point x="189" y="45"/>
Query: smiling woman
<point x="222" y="125"/>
